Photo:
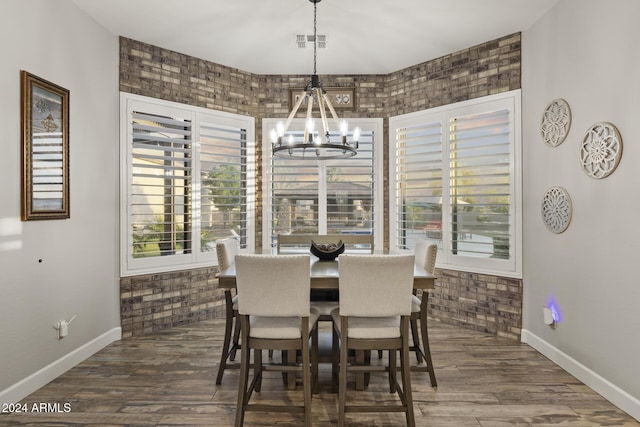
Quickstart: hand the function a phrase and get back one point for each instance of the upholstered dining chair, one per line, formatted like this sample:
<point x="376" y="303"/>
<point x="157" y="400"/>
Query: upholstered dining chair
<point x="425" y="252"/>
<point x="374" y="312"/>
<point x="275" y="313"/>
<point x="227" y="250"/>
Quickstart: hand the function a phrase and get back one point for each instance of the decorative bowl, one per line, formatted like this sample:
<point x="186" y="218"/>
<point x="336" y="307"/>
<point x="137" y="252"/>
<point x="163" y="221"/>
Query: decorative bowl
<point x="327" y="251"/>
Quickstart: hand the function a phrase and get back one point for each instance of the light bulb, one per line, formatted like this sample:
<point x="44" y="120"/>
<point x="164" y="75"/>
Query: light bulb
<point x="356" y="134"/>
<point x="280" y="129"/>
<point x="290" y="139"/>
<point x="344" y="127"/>
<point x="310" y="125"/>
<point x="273" y="136"/>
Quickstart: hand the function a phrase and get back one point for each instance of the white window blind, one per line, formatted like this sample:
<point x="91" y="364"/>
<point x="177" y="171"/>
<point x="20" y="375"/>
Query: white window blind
<point x="480" y="184"/>
<point x="418" y="196"/>
<point x="225" y="184"/>
<point x="161" y="154"/>
<point x="187" y="180"/>
<point x="455" y="179"/>
<point x="341" y="196"/>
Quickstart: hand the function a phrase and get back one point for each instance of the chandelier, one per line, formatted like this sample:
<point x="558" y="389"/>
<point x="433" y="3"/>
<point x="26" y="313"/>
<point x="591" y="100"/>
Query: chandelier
<point x="313" y="145"/>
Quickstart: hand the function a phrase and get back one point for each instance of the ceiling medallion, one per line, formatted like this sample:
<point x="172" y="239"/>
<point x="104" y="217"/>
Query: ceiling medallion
<point x="600" y="150"/>
<point x="556" y="209"/>
<point x="556" y="121"/>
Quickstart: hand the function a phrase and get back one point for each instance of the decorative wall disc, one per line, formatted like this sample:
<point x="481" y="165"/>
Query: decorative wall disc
<point x="556" y="121"/>
<point x="601" y="150"/>
<point x="556" y="209"/>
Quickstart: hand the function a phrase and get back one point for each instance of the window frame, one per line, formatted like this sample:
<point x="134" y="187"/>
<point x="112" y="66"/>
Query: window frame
<point x="129" y="265"/>
<point x="374" y="125"/>
<point x="511" y="267"/>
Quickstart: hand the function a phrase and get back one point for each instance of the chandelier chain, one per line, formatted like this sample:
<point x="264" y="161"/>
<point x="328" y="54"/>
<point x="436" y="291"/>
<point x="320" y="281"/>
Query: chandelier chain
<point x="315" y="36"/>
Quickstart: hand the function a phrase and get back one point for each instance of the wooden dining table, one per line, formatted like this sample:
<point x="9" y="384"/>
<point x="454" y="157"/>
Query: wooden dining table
<point x="325" y="275"/>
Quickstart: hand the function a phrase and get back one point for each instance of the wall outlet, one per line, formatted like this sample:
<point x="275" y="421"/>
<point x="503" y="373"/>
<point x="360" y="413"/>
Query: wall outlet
<point x="63" y="327"/>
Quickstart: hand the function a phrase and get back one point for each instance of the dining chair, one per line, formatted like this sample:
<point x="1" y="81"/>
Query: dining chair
<point x="324" y="300"/>
<point x="425" y="253"/>
<point x="226" y="250"/>
<point x="374" y="312"/>
<point x="275" y="313"/>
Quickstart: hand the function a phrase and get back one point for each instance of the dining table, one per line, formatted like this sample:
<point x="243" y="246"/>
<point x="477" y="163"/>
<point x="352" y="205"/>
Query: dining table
<point x="325" y="275"/>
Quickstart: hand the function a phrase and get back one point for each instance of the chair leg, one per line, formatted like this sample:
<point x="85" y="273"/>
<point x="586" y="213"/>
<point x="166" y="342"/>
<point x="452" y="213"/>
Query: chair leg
<point x="306" y="376"/>
<point x="236" y="338"/>
<point x="243" y="382"/>
<point x="360" y="376"/>
<point x="416" y="340"/>
<point x="406" y="375"/>
<point x="342" y="377"/>
<point x="227" y="336"/>
<point x="314" y="362"/>
<point x="393" y="374"/>
<point x="335" y="356"/>
<point x="257" y="368"/>
<point x="425" y="345"/>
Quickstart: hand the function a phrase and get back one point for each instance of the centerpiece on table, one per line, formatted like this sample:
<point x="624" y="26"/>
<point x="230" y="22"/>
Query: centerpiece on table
<point x="327" y="251"/>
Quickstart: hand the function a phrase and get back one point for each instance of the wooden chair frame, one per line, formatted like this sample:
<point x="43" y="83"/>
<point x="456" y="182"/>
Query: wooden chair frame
<point x="341" y="341"/>
<point x="231" y="342"/>
<point x="308" y="368"/>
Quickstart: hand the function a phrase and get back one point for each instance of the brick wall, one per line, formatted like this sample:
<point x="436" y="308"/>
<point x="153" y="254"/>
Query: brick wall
<point x="481" y="302"/>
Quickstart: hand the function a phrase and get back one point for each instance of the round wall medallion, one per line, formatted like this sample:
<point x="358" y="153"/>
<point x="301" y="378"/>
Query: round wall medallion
<point x="601" y="150"/>
<point x="556" y="121"/>
<point x="556" y="209"/>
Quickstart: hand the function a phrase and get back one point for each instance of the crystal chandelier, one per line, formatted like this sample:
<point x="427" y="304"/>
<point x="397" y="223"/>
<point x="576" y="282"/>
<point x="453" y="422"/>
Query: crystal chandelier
<point x="313" y="145"/>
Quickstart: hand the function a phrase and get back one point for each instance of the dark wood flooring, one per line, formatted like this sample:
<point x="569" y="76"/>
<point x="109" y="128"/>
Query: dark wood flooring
<point x="168" y="379"/>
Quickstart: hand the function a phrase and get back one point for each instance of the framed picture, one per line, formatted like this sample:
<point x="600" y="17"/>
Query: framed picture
<point x="45" y="149"/>
<point x="342" y="98"/>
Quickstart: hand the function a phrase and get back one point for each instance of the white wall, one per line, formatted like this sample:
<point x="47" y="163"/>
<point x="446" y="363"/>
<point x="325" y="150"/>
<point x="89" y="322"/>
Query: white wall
<point x="78" y="274"/>
<point x="585" y="51"/>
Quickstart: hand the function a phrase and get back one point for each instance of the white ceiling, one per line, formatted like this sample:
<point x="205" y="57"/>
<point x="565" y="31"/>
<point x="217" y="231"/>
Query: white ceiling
<point x="364" y="36"/>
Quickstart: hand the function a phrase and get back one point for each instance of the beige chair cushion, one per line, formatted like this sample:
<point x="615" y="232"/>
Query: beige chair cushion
<point x="415" y="304"/>
<point x="287" y="278"/>
<point x="426" y="252"/>
<point x="226" y="250"/>
<point x="369" y="327"/>
<point x="375" y="285"/>
<point x="280" y="328"/>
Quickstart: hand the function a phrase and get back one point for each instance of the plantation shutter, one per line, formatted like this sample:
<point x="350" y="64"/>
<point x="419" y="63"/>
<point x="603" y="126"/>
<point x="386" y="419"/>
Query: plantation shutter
<point x="294" y="194"/>
<point x="480" y="183"/>
<point x="418" y="172"/>
<point x="160" y="199"/>
<point x="326" y="196"/>
<point x="350" y="190"/>
<point x="223" y="193"/>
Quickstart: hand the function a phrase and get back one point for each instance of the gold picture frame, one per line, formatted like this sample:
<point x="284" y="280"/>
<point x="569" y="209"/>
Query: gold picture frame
<point x="342" y="98"/>
<point x="45" y="148"/>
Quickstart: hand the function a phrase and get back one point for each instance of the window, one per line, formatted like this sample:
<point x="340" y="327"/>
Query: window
<point x="188" y="182"/>
<point x="341" y="196"/>
<point x="455" y="178"/>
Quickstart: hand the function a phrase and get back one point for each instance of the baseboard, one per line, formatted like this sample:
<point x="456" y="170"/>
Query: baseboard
<point x="35" y="381"/>
<point x="600" y="385"/>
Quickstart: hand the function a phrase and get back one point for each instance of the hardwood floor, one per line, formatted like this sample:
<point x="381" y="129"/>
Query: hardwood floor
<point x="168" y="379"/>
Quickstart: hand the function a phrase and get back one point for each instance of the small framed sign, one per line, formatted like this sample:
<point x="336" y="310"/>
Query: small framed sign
<point x="342" y="98"/>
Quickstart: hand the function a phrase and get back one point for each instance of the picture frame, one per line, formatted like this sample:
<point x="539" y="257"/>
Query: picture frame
<point x="45" y="148"/>
<point x="342" y="98"/>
